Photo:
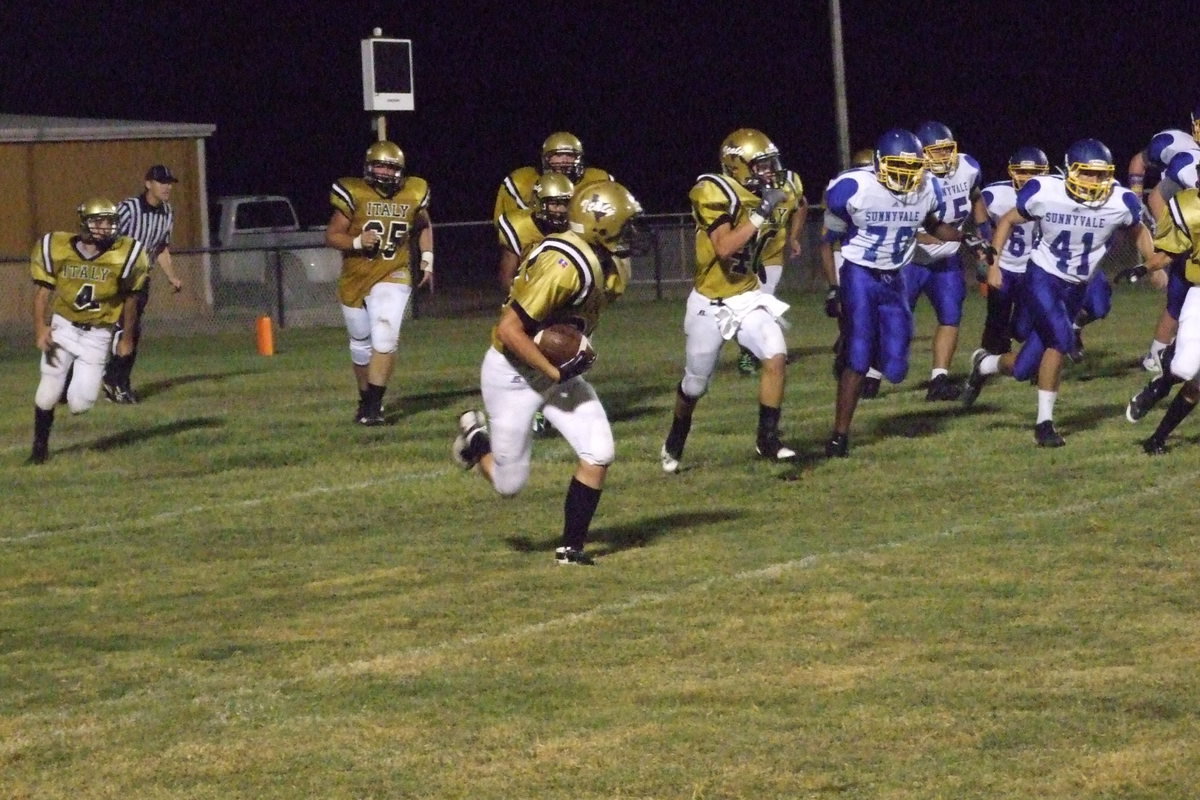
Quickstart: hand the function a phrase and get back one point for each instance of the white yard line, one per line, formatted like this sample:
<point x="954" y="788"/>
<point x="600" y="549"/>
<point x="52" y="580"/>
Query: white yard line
<point x="403" y="659"/>
<point x="166" y="516"/>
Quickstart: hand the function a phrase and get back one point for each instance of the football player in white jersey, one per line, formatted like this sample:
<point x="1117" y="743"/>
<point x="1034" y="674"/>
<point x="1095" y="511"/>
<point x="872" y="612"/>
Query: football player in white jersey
<point x="1077" y="215"/>
<point x="1007" y="318"/>
<point x="936" y="269"/>
<point x="878" y="213"/>
<point x="1173" y="154"/>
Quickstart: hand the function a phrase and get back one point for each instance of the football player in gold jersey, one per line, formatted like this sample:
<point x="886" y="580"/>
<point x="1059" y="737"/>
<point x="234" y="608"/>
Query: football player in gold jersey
<point x="85" y="283"/>
<point x="1176" y="235"/>
<point x="779" y="240"/>
<point x="727" y="302"/>
<point x="570" y="278"/>
<point x="562" y="152"/>
<point x="523" y="228"/>
<point x="374" y="220"/>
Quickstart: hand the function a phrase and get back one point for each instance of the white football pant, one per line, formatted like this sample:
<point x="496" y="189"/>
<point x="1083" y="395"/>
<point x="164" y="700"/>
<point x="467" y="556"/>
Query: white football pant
<point x="512" y="394"/>
<point x="759" y="332"/>
<point x="376" y="326"/>
<point x="88" y="351"/>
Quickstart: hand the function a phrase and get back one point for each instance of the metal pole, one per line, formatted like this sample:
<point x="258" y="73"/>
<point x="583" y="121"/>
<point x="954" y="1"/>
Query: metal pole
<point x="839" y="82"/>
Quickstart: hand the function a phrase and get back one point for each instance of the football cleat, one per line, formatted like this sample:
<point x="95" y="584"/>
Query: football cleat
<point x="1045" y="435"/>
<point x="670" y="463"/>
<point x="770" y="447"/>
<point x="1076" y="352"/>
<point x="1152" y="362"/>
<point x="1141" y="403"/>
<point x="569" y="555"/>
<point x="468" y="447"/>
<point x="975" y="381"/>
<point x="747" y="363"/>
<point x="539" y="424"/>
<point x="838" y="446"/>
<point x="869" y="389"/>
<point x="942" y="388"/>
<point x="1154" y="447"/>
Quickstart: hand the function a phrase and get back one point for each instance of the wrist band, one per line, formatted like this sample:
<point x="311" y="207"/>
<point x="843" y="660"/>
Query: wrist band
<point x="427" y="261"/>
<point x="757" y="219"/>
<point x="357" y="243"/>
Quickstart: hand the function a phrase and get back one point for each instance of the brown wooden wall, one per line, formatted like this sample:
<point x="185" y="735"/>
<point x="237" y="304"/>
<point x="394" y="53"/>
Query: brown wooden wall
<point x="44" y="182"/>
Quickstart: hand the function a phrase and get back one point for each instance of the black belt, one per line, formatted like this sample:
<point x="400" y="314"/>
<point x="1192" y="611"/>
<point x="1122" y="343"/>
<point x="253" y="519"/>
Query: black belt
<point x="87" y="326"/>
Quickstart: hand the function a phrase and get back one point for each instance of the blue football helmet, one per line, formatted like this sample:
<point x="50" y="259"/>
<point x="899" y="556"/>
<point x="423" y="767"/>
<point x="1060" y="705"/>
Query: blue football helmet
<point x="899" y="161"/>
<point x="1090" y="171"/>
<point x="1026" y="163"/>
<point x="941" y="149"/>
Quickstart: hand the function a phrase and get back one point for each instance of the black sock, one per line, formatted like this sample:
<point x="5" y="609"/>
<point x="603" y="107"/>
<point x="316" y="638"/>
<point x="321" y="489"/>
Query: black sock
<point x="680" y="427"/>
<point x="42" y="422"/>
<point x="479" y="446"/>
<point x="374" y="396"/>
<point x="117" y="373"/>
<point x="1180" y="407"/>
<point x="768" y="421"/>
<point x="578" y="510"/>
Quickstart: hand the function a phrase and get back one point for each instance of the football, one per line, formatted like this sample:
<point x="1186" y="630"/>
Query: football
<point x="560" y="343"/>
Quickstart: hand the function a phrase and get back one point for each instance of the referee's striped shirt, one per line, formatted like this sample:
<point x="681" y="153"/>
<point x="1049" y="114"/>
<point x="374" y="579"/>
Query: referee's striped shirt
<point x="149" y="225"/>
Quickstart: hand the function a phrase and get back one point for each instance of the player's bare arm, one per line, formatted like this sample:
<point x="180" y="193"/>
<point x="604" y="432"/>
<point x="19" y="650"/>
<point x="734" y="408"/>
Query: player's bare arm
<point x="129" y="315"/>
<point x="425" y="242"/>
<point x="337" y="235"/>
<point x="43" y="297"/>
<point x="516" y="340"/>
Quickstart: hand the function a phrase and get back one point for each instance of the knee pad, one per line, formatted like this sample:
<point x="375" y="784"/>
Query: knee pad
<point x="384" y="335"/>
<point x="360" y="351"/>
<point x="693" y="386"/>
<point x="509" y="479"/>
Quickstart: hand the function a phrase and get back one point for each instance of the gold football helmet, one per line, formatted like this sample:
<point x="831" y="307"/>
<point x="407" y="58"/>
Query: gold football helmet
<point x="551" y="196"/>
<point x="98" y="221"/>
<point x="605" y="214"/>
<point x="383" y="166"/>
<point x="563" y="152"/>
<point x="751" y="159"/>
<point x="862" y="158"/>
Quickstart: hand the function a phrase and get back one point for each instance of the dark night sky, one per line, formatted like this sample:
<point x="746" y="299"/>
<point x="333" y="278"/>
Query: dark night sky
<point x="651" y="91"/>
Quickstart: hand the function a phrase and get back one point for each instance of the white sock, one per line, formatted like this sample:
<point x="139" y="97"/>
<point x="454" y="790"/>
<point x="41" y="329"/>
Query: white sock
<point x="1046" y="405"/>
<point x="989" y="365"/>
<point x="874" y="373"/>
<point x="937" y="371"/>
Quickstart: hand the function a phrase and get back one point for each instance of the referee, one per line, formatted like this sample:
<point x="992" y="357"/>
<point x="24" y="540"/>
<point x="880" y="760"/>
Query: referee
<point x="147" y="217"/>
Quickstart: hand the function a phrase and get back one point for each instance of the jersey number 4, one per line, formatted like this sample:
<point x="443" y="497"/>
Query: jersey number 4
<point x="85" y="298"/>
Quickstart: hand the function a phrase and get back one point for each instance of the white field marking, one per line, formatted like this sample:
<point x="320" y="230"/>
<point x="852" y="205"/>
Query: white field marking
<point x="165" y="516"/>
<point x="390" y="663"/>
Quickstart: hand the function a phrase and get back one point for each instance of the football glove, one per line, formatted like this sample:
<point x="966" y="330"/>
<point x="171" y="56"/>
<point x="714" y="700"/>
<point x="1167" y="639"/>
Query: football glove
<point x="982" y="250"/>
<point x="1131" y="274"/>
<point x="578" y="364"/>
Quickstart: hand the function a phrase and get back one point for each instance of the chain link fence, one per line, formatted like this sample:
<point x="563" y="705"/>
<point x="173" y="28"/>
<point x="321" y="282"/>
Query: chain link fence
<point x="227" y="289"/>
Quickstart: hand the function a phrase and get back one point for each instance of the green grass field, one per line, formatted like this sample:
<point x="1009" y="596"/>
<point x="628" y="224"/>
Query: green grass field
<point x="230" y="591"/>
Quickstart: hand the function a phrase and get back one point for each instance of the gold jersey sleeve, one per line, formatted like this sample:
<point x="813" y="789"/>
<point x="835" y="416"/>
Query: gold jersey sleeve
<point x="89" y="291"/>
<point x="593" y="175"/>
<point x="518" y="232"/>
<point x="560" y="281"/>
<point x="716" y="200"/>
<point x="515" y="192"/>
<point x="1178" y="231"/>
<point x="394" y="218"/>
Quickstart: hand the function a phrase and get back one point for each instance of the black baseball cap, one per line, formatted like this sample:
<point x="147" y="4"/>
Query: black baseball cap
<point x="161" y="174"/>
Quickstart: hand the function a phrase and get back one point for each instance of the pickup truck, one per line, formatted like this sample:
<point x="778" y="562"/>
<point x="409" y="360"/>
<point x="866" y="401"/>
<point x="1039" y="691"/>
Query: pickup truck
<point x="252" y="231"/>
